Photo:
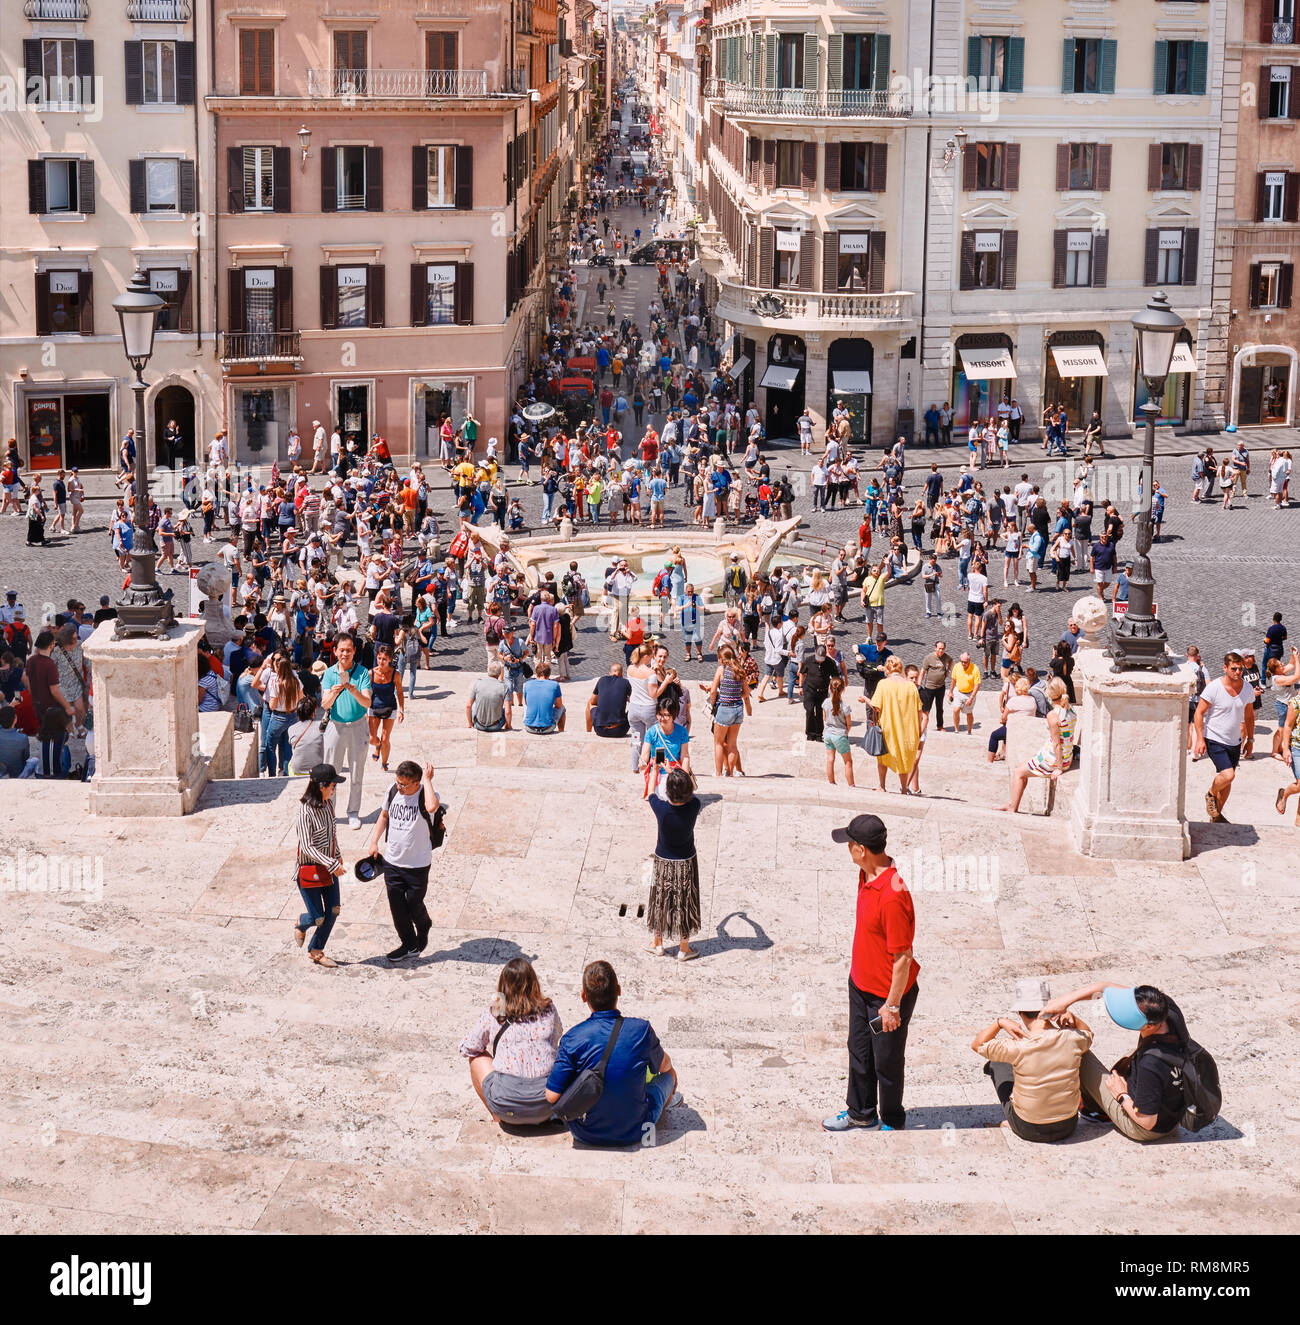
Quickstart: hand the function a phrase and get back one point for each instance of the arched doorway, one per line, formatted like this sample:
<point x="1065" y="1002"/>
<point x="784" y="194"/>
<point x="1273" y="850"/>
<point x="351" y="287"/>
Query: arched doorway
<point x="174" y="402"/>
<point x="783" y="380"/>
<point x="849" y="365"/>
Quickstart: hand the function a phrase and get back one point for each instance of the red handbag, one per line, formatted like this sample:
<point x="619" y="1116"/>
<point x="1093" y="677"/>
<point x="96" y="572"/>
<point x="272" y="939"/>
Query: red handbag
<point x="314" y="876"/>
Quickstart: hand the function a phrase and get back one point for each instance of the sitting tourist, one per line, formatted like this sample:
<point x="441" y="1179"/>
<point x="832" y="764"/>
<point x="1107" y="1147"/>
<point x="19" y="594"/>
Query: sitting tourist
<point x="543" y="703"/>
<point x="607" y="707"/>
<point x="489" y="704"/>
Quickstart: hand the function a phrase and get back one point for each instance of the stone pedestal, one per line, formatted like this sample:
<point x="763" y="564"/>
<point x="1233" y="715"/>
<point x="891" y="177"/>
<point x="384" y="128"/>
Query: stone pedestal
<point x="1131" y="800"/>
<point x="148" y="759"/>
<point x="566" y="530"/>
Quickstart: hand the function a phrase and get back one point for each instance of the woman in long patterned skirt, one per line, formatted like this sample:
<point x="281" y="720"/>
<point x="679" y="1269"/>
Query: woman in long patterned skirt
<point x="674" y="907"/>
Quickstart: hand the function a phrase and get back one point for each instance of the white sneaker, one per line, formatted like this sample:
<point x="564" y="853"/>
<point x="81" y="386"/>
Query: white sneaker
<point x="354" y="821"/>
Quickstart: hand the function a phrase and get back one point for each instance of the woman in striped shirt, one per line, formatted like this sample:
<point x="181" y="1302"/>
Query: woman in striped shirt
<point x="318" y="847"/>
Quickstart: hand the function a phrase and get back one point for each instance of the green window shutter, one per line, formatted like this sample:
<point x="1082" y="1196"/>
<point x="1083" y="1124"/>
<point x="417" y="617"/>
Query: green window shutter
<point x="1108" y="52"/>
<point x="1161" y="80"/>
<point x="756" y="60"/>
<point x="810" y="49"/>
<point x="1015" y="64"/>
<point x="772" y="51"/>
<point x="835" y="62"/>
<point x="880" y="60"/>
<point x="1200" y="59"/>
<point x="1067" y="65"/>
<point x="972" y="57"/>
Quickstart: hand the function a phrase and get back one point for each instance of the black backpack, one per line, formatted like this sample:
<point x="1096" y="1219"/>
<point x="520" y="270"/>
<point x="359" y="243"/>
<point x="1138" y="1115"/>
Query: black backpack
<point x="1196" y="1072"/>
<point x="437" y="821"/>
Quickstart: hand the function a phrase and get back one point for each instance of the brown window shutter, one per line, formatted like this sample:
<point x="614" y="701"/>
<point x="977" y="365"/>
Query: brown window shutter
<point x="85" y="57"/>
<point x="419" y="178"/>
<point x="234" y="179"/>
<point x="419" y="294"/>
<point x="1010" y="250"/>
<point x="1195" y="159"/>
<point x="187" y="187"/>
<point x="136" y="187"/>
<point x="876" y="263"/>
<point x="1293" y="94"/>
<point x="1011" y="167"/>
<point x="966" y="279"/>
<point x="86" y="295"/>
<point x="234" y="299"/>
<point x="247" y="61"/>
<point x="374" y="179"/>
<point x="329" y="298"/>
<point x="769" y="163"/>
<point x="831" y="166"/>
<point x="1155" y="164"/>
<point x="281" y="198"/>
<point x="375" y="294"/>
<point x="1062" y="167"/>
<point x="831" y="262"/>
<point x="134" y="73"/>
<point x="284" y="299"/>
<point x="970" y="167"/>
<point x="266" y="62"/>
<point x="879" y="175"/>
<point x="464" y="178"/>
<point x="184" y="302"/>
<point x="1255" y="283"/>
<point x="1100" y="259"/>
<point x="808" y="166"/>
<point x="464" y="297"/>
<point x="1103" y="167"/>
<point x="185" y="73"/>
<point x="1060" y="249"/>
<point x="1261" y="196"/>
<point x="1284" y="285"/>
<point x="86" y="187"/>
<point x="1266" y="22"/>
<point x="42" y="303"/>
<point x="766" y="256"/>
<point x="329" y="179"/>
<point x="36" y="196"/>
<point x="1151" y="263"/>
<point x="753" y="161"/>
<point x="807" y="257"/>
<point x="1191" y="253"/>
<point x="1291" y="200"/>
<point x="33" y="64"/>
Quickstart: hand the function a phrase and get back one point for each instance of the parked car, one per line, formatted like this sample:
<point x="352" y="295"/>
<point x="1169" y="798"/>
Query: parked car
<point x="674" y="248"/>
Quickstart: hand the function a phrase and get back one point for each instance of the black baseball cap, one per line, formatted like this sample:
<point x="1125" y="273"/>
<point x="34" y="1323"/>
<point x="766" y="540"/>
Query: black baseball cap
<point x="368" y="868"/>
<point x="326" y="775"/>
<point x="867" y="830"/>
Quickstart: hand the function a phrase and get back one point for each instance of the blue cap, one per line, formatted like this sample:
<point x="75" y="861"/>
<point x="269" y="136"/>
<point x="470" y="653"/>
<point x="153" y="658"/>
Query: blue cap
<point x="1123" y="1009"/>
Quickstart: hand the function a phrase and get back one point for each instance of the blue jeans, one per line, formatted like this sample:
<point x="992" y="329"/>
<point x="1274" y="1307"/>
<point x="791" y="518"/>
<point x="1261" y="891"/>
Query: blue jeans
<point x="791" y="676"/>
<point x="53" y="756"/>
<point x="275" y="749"/>
<point x="547" y="499"/>
<point x="410" y="671"/>
<point x="963" y="566"/>
<point x="322" y="911"/>
<point x="658" y="1091"/>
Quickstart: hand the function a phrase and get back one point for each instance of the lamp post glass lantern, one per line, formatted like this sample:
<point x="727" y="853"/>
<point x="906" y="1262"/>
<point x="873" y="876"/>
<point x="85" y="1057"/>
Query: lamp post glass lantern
<point x="1138" y="642"/>
<point x="143" y="608"/>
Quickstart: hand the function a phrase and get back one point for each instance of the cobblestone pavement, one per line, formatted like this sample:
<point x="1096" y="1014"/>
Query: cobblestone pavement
<point x="1220" y="573"/>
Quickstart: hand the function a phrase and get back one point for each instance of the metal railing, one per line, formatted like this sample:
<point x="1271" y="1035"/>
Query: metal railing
<point x="737" y="303"/>
<point x="397" y="83"/>
<point x="260" y="346"/>
<point x="70" y="10"/>
<point x="1283" y="31"/>
<point x="159" y="11"/>
<point x="854" y="103"/>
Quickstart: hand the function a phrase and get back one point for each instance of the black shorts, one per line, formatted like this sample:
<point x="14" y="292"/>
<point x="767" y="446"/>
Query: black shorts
<point x="1223" y="757"/>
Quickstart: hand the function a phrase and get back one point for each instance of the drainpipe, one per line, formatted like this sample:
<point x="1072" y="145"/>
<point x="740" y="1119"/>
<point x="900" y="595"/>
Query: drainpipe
<point x="925" y="237"/>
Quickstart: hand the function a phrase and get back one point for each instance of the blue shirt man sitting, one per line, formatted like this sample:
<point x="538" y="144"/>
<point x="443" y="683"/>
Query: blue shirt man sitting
<point x="639" y="1080"/>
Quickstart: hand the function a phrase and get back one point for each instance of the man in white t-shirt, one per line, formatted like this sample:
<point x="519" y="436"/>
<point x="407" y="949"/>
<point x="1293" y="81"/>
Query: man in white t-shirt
<point x="977" y="593"/>
<point x="1024" y="494"/>
<point x="1225" y="730"/>
<point x="218" y="454"/>
<point x="407" y="817"/>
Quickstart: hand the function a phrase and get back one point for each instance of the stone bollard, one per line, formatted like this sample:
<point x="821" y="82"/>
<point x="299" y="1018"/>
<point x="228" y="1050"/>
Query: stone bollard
<point x="1026" y="736"/>
<point x="566" y="530"/>
<point x="719" y="529"/>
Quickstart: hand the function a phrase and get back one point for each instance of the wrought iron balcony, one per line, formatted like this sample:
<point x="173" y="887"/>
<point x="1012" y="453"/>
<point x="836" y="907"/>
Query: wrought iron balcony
<point x="1283" y="32"/>
<point x="803" y="103"/>
<point x="159" y="11"/>
<point x="809" y="309"/>
<point x="397" y="84"/>
<point x="260" y="347"/>
<point x="74" y="11"/>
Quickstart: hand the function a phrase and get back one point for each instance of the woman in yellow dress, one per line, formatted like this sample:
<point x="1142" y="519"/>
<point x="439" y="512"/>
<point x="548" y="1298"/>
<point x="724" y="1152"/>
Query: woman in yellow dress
<point x="897" y="705"/>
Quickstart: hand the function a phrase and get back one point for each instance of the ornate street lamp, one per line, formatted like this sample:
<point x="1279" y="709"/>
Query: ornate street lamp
<point x="143" y="608"/>
<point x="1138" y="641"/>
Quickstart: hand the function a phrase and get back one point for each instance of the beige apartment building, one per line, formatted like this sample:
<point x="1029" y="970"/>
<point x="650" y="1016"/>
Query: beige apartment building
<point x="1257" y="341"/>
<point x="387" y="185"/>
<point x="919" y="201"/>
<point x="103" y="157"/>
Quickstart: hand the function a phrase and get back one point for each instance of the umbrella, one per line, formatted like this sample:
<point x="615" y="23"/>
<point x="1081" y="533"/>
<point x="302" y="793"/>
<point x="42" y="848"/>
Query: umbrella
<point x="537" y="411"/>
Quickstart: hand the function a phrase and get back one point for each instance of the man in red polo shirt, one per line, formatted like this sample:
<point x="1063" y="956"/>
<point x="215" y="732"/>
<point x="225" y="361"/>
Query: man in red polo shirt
<point x="882" y="983"/>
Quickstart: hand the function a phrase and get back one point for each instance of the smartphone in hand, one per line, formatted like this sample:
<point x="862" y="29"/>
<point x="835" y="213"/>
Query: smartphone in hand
<point x="876" y="1024"/>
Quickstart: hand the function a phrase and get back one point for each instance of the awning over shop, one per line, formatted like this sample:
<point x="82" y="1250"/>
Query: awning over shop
<point x="1184" y="361"/>
<point x="980" y="365"/>
<point x="1079" y="361"/>
<point x="738" y="367"/>
<point x="781" y="376"/>
<point x="852" y="384"/>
